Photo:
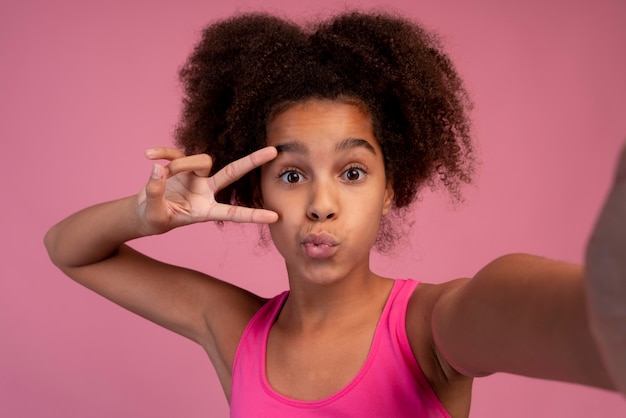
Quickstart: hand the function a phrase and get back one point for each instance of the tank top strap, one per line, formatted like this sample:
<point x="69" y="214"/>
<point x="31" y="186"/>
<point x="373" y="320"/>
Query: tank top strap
<point x="398" y="303"/>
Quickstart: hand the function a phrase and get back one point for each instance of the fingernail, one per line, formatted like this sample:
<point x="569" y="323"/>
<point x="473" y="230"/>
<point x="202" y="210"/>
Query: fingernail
<point x="150" y="152"/>
<point x="156" y="172"/>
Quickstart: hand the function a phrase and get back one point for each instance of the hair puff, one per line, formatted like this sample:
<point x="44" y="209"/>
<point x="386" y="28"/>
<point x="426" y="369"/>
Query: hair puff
<point x="247" y="68"/>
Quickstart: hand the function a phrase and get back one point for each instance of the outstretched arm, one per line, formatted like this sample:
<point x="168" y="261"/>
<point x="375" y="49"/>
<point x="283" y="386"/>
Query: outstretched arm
<point x="542" y="318"/>
<point x="606" y="279"/>
<point x="524" y="315"/>
<point x="89" y="247"/>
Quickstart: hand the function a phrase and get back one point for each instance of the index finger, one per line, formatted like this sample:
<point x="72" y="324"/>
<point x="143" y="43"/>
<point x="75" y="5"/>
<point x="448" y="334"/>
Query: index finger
<point x="237" y="169"/>
<point x="241" y="214"/>
<point x="164" y="153"/>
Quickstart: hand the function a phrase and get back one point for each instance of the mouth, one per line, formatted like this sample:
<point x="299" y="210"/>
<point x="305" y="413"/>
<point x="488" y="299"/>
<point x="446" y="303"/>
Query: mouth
<point x="320" y="239"/>
<point x="320" y="246"/>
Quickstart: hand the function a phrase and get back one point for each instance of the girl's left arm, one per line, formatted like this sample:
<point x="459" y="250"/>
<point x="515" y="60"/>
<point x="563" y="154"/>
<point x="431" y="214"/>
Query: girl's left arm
<point x="536" y="317"/>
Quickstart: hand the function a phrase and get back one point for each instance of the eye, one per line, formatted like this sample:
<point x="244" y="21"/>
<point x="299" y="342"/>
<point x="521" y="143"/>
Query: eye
<point x="354" y="174"/>
<point x="291" y="177"/>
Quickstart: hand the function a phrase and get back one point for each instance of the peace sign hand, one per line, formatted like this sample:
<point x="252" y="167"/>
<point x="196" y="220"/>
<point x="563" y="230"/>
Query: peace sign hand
<point x="180" y="193"/>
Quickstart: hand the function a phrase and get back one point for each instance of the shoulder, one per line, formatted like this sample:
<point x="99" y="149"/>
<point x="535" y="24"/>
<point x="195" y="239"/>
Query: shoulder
<point x="227" y="322"/>
<point x="451" y="387"/>
<point x="419" y="324"/>
<point x="228" y="319"/>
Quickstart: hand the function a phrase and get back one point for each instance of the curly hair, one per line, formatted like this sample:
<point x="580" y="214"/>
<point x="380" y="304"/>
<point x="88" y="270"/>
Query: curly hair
<point x="247" y="68"/>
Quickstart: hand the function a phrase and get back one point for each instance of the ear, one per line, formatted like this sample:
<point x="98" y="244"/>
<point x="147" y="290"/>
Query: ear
<point x="388" y="199"/>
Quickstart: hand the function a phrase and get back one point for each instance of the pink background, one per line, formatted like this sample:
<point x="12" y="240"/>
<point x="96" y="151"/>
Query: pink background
<point x="85" y="87"/>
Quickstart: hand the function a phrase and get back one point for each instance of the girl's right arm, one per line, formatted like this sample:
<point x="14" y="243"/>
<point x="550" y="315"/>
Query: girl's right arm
<point x="89" y="246"/>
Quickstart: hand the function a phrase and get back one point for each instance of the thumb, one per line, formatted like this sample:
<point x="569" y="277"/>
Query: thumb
<point x="155" y="195"/>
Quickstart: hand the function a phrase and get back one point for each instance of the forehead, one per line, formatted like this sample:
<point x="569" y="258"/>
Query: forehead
<point x="318" y="120"/>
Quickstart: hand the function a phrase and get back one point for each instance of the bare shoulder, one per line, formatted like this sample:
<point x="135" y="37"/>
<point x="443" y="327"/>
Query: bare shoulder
<point x="451" y="387"/>
<point x="228" y="310"/>
<point x="209" y="311"/>
<point x="220" y="310"/>
<point x="227" y="315"/>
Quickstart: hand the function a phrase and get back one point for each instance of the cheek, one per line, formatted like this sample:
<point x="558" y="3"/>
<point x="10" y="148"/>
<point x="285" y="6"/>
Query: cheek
<point x="282" y="201"/>
<point x="265" y="193"/>
<point x="281" y="238"/>
<point x="273" y="201"/>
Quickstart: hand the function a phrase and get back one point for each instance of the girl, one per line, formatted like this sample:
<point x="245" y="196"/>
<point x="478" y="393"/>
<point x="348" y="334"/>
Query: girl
<point x="324" y="133"/>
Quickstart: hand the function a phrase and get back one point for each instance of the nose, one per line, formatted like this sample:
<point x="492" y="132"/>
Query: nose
<point x="322" y="203"/>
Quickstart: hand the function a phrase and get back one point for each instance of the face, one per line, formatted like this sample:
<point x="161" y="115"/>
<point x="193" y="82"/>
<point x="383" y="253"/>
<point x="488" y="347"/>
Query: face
<point x="328" y="186"/>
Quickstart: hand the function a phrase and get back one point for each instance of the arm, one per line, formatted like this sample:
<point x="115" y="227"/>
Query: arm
<point x="541" y="318"/>
<point x="89" y="247"/>
<point x="520" y="314"/>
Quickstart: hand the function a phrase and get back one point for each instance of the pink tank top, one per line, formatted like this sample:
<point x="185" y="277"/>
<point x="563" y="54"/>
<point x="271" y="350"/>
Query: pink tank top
<point x="389" y="384"/>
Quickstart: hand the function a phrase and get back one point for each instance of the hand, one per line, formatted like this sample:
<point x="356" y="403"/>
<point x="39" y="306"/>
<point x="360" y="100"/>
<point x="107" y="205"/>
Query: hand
<point x="181" y="192"/>
<point x="606" y="278"/>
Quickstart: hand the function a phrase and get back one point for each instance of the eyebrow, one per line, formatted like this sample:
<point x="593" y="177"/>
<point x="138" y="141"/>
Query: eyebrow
<point x="350" y="143"/>
<point x="293" y="146"/>
<point x="346" y="144"/>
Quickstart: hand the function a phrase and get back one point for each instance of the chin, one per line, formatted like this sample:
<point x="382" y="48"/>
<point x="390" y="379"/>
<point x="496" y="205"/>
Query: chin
<point x="320" y="273"/>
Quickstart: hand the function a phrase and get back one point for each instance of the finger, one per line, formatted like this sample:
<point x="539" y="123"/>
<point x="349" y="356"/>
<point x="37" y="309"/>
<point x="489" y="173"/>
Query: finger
<point x="239" y="168"/>
<point x="240" y="214"/>
<point x="199" y="164"/>
<point x="164" y="153"/>
<point x="155" y="195"/>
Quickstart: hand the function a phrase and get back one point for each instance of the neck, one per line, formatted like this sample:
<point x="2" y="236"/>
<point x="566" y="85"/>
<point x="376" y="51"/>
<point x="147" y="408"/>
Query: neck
<point x="315" y="304"/>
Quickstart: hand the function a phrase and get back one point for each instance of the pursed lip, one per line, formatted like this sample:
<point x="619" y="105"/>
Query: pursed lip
<point x="320" y="246"/>
<point x="320" y="239"/>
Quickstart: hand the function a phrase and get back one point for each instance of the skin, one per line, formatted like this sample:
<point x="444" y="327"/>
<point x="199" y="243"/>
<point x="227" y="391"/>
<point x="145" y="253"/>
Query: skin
<point x="324" y="192"/>
<point x="328" y="181"/>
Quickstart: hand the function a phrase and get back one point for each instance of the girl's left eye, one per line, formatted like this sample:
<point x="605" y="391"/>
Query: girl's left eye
<point x="354" y="174"/>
